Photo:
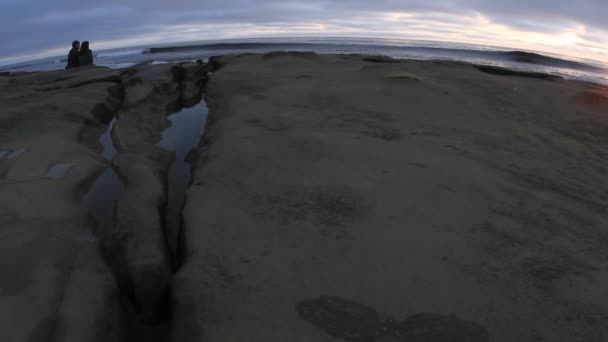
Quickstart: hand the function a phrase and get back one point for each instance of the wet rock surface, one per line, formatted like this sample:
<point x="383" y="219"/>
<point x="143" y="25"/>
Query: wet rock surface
<point x="71" y="271"/>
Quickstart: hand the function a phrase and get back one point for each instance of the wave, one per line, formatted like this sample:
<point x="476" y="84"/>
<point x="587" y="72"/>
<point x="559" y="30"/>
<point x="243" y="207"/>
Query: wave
<point x="535" y="58"/>
<point x="223" y="46"/>
<point x="121" y="53"/>
<point x="511" y="56"/>
<point x="18" y="67"/>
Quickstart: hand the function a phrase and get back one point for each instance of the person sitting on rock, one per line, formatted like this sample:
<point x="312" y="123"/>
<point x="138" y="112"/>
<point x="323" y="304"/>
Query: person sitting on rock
<point x="73" y="55"/>
<point x="85" y="57"/>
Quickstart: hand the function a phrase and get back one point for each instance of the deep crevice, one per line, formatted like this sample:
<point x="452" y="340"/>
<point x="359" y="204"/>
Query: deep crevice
<point x="138" y="327"/>
<point x="182" y="137"/>
<point x="109" y="79"/>
<point x="101" y="193"/>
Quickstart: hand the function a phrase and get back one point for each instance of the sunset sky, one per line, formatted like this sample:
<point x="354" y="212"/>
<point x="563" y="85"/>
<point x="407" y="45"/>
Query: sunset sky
<point x="42" y="28"/>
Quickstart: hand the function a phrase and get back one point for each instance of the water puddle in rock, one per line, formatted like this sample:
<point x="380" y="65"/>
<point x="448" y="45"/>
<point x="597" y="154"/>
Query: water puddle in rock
<point x="12" y="154"/>
<point x="59" y="170"/>
<point x="109" y="151"/>
<point x="107" y="187"/>
<point x="187" y="127"/>
<point x="181" y="137"/>
<point x="16" y="153"/>
<point x="101" y="200"/>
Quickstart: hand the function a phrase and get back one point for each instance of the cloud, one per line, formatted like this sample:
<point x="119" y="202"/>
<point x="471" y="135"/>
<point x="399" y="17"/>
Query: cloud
<point x="39" y="27"/>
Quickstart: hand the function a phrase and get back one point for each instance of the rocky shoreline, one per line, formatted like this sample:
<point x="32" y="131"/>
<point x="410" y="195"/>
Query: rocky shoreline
<point x="471" y="201"/>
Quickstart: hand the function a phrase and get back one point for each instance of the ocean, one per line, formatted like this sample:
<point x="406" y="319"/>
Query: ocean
<point x="567" y="67"/>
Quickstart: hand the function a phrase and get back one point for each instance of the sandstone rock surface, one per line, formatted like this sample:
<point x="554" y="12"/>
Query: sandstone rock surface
<point x="423" y="189"/>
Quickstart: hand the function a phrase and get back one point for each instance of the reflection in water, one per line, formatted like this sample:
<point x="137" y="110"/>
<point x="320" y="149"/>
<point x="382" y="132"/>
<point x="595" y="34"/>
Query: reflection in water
<point x="12" y="154"/>
<point x="109" y="151"/>
<point x="101" y="199"/>
<point x="186" y="129"/>
<point x="59" y="170"/>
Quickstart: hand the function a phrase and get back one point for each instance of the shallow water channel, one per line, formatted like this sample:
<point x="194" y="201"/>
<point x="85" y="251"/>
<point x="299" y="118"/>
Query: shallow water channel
<point x="184" y="134"/>
<point x="101" y="199"/>
<point x="187" y="127"/>
<point x="12" y="154"/>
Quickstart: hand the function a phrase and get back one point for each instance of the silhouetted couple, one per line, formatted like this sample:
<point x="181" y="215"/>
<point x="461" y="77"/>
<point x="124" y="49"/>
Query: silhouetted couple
<point x="80" y="55"/>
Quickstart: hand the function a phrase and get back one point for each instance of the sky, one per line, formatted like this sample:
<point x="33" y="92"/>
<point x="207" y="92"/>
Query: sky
<point x="32" y="29"/>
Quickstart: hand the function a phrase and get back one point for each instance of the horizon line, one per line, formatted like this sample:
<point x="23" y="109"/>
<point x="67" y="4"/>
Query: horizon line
<point x="5" y="66"/>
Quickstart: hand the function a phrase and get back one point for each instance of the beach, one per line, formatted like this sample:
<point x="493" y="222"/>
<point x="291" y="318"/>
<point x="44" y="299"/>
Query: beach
<point x="332" y="198"/>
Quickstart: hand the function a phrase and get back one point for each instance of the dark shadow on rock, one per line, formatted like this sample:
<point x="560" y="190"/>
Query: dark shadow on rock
<point x="215" y="63"/>
<point x="341" y="318"/>
<point x="351" y="321"/>
<point x="45" y="331"/>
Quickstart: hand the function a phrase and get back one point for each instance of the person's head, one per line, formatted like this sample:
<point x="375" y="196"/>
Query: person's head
<point x="76" y="45"/>
<point x="85" y="46"/>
